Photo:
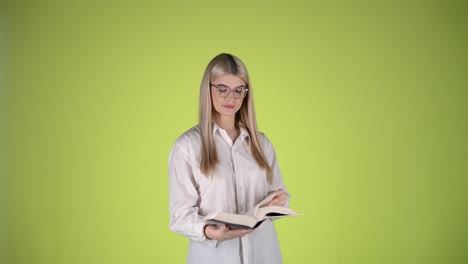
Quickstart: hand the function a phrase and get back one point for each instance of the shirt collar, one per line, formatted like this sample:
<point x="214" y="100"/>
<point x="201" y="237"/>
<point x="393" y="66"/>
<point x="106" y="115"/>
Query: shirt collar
<point x="244" y="134"/>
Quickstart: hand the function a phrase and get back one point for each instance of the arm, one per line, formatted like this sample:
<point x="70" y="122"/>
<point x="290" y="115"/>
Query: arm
<point x="183" y="204"/>
<point x="183" y="198"/>
<point x="224" y="232"/>
<point x="282" y="195"/>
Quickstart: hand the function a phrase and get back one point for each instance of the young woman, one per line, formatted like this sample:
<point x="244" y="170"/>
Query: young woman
<point x="224" y="164"/>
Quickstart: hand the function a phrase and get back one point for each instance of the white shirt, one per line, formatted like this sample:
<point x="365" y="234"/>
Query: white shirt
<point x="236" y="186"/>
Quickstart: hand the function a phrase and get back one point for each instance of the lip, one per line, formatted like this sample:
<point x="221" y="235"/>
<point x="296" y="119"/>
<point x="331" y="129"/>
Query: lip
<point x="228" y="106"/>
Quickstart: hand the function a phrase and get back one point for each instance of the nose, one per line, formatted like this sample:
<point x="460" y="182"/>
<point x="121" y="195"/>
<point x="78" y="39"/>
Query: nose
<point x="230" y="95"/>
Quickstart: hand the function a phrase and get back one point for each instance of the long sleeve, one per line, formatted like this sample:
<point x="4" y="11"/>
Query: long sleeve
<point x="184" y="198"/>
<point x="273" y="162"/>
<point x="237" y="184"/>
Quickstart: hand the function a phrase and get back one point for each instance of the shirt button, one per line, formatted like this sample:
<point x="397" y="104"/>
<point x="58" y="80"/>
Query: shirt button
<point x="242" y="207"/>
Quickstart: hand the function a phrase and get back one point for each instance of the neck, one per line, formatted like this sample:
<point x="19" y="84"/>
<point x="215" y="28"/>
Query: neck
<point x="226" y="123"/>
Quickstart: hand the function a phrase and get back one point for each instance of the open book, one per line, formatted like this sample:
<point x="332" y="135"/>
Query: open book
<point x="253" y="219"/>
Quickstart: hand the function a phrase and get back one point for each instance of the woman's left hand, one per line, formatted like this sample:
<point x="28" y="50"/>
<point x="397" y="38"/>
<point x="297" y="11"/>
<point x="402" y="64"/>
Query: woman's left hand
<point x="280" y="199"/>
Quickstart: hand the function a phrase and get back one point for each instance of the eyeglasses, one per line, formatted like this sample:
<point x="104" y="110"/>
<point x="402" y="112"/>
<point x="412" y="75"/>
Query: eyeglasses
<point x="224" y="91"/>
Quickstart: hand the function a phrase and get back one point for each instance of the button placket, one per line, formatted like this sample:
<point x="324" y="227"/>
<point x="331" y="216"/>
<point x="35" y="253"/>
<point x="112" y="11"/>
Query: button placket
<point x="239" y="180"/>
<point x="233" y="165"/>
<point x="240" y="205"/>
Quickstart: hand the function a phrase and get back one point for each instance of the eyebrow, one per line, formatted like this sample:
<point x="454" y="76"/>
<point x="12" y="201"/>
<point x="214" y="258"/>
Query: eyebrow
<point x="241" y="86"/>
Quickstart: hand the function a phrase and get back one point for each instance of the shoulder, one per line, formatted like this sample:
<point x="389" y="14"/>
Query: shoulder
<point x="191" y="134"/>
<point x="189" y="139"/>
<point x="264" y="141"/>
<point x="263" y="138"/>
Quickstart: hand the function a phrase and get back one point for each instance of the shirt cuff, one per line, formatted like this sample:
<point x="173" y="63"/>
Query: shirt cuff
<point x="209" y="242"/>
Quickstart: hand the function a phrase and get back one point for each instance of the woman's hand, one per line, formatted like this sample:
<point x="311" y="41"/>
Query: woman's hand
<point x="280" y="199"/>
<point x="223" y="232"/>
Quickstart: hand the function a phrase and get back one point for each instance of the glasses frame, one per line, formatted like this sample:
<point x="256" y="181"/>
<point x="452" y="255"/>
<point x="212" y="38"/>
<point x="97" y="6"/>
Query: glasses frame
<point x="246" y="89"/>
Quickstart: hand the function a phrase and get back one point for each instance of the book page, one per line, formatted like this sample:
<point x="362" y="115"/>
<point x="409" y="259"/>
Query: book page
<point x="274" y="212"/>
<point x="263" y="203"/>
<point x="233" y="220"/>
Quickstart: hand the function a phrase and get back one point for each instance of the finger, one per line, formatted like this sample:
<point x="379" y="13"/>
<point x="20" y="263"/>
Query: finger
<point x="236" y="233"/>
<point x="284" y="198"/>
<point x="223" y="228"/>
<point x="246" y="231"/>
<point x="280" y="201"/>
<point x="279" y="192"/>
<point x="274" y="202"/>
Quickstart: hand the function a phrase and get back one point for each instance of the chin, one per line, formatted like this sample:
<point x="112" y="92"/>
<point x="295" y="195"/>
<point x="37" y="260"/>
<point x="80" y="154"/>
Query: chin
<point x="229" y="114"/>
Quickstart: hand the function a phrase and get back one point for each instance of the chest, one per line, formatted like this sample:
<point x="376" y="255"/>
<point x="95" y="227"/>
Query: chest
<point x="236" y="180"/>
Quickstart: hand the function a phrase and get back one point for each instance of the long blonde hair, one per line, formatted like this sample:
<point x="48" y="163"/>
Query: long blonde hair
<point x="245" y="117"/>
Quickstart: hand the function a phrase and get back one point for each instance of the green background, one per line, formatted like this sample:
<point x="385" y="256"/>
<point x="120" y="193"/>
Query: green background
<point x="366" y="103"/>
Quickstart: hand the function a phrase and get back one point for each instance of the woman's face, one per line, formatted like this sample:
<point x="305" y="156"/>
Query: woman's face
<point x="229" y="105"/>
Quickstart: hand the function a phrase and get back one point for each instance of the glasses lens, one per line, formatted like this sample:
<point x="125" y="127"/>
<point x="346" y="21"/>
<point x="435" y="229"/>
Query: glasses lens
<point x="223" y="92"/>
<point x="239" y="93"/>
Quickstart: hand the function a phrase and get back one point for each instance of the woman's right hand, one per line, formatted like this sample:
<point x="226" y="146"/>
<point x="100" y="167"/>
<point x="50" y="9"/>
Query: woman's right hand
<point x="223" y="232"/>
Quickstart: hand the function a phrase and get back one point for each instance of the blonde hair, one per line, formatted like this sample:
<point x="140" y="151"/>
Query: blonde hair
<point x="245" y="117"/>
